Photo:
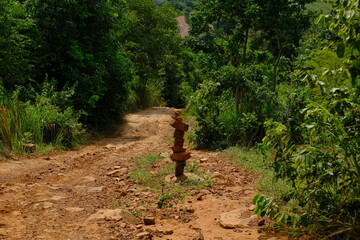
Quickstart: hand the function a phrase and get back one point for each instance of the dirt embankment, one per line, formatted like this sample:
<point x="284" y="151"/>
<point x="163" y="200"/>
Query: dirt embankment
<point x="87" y="193"/>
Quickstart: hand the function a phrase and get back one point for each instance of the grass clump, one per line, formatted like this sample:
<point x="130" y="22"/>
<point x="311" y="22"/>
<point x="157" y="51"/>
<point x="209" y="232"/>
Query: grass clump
<point x="141" y="174"/>
<point x="254" y="161"/>
<point x="146" y="174"/>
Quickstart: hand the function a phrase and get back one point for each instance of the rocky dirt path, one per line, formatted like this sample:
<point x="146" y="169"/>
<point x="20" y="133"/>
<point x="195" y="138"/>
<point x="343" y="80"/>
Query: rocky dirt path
<point x="87" y="193"/>
<point x="183" y="26"/>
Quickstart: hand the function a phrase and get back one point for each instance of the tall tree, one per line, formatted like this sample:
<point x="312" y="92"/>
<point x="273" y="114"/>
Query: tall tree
<point x="79" y="45"/>
<point x="281" y="24"/>
<point x="154" y="45"/>
<point x="15" y="64"/>
<point x="227" y="25"/>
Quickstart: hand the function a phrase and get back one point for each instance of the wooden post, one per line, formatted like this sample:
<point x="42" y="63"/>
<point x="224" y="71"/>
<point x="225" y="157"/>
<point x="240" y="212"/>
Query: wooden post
<point x="179" y="153"/>
<point x="179" y="169"/>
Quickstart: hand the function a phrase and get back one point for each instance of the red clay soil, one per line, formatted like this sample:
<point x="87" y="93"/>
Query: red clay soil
<point x="79" y="194"/>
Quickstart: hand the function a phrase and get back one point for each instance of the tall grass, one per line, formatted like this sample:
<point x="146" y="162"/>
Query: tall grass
<point x="254" y="161"/>
<point x="40" y="122"/>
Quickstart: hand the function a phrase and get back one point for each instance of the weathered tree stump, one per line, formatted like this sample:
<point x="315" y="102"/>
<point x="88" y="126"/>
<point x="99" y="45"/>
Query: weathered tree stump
<point x="179" y="155"/>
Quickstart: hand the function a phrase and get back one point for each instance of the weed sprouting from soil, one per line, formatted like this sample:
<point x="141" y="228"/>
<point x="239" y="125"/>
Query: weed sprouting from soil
<point x="148" y="173"/>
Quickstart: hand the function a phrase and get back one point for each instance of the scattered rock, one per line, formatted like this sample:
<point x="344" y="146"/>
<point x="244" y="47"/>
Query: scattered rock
<point x="170" y="179"/>
<point x="141" y="209"/>
<point x="262" y="222"/>
<point x="236" y="219"/>
<point x="74" y="209"/>
<point x="88" y="179"/>
<point x="117" y="172"/>
<point x="144" y="235"/>
<point x="109" y="146"/>
<point x="199" y="236"/>
<point x="249" y="192"/>
<point x="114" y="215"/>
<point x="47" y="158"/>
<point x="96" y="189"/>
<point x="123" y="225"/>
<point x="53" y="187"/>
<point x="168" y="232"/>
<point x="205" y="191"/>
<point x="16" y="213"/>
<point x="190" y="210"/>
<point x="43" y="205"/>
<point x="56" y="198"/>
<point x="149" y="220"/>
<point x="194" y="177"/>
<point x="200" y="197"/>
<point x="217" y="175"/>
<point x="114" y="173"/>
<point x="29" y="147"/>
<point x="252" y="208"/>
<point x="203" y="160"/>
<point x="47" y="205"/>
<point x="123" y="193"/>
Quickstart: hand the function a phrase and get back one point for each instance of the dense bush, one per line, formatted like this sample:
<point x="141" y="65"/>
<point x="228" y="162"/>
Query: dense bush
<point x="252" y="60"/>
<point x="324" y="171"/>
<point x="39" y="122"/>
<point x="78" y="46"/>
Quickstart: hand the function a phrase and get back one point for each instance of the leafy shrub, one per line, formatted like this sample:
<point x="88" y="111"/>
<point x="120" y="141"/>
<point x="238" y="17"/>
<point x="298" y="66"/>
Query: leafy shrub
<point x="38" y="122"/>
<point x="222" y="119"/>
<point x="325" y="171"/>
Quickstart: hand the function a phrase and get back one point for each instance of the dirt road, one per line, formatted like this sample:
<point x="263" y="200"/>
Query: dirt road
<point x="183" y="26"/>
<point x="87" y="193"/>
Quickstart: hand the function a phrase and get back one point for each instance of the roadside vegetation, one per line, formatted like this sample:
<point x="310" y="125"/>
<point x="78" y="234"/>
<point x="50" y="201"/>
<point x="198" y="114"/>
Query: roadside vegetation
<point x="254" y="161"/>
<point x="155" y="175"/>
<point x="283" y="75"/>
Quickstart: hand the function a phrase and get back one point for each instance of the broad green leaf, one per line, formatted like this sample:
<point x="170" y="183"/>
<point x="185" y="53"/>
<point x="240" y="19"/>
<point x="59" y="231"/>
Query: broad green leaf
<point x="320" y="21"/>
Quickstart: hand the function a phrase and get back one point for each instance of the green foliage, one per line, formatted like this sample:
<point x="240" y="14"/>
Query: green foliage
<point x="162" y="201"/>
<point x="78" y="46"/>
<point x="254" y="161"/>
<point x="324" y="172"/>
<point x="251" y="59"/>
<point x="148" y="161"/>
<point x="39" y="122"/>
<point x="154" y="45"/>
<point x="223" y="119"/>
<point x="146" y="173"/>
<point x="344" y="23"/>
<point x="141" y="174"/>
<point x="15" y="64"/>
<point x="319" y="7"/>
